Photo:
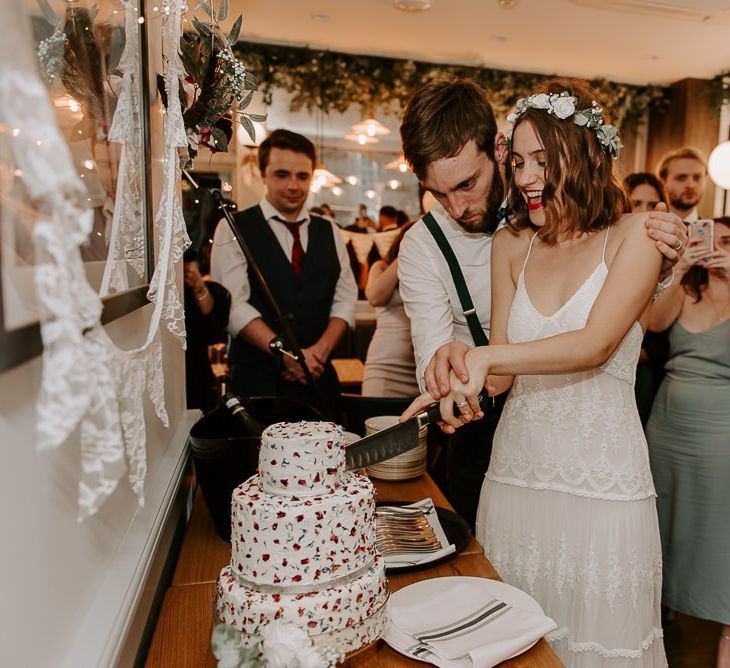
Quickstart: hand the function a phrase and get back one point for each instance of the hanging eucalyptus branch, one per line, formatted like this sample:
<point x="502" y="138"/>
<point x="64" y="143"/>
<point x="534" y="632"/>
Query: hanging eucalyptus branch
<point x="216" y="88"/>
<point x="373" y="82"/>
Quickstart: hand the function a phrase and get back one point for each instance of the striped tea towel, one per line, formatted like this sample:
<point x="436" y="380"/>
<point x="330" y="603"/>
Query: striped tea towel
<point x="464" y="624"/>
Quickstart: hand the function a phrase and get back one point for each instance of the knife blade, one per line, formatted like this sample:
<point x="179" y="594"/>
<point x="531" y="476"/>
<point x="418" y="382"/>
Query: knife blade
<point x="393" y="440"/>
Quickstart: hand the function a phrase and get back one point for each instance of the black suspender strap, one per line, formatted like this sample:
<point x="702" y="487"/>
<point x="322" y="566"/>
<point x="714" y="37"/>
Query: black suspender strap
<point x="467" y="305"/>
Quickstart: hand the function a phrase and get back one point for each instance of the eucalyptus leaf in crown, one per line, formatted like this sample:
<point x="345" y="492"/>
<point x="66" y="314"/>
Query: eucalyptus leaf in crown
<point x="563" y="106"/>
<point x="216" y="88"/>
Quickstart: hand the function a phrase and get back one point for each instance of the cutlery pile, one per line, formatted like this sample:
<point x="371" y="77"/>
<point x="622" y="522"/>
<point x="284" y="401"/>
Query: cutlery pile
<point x="404" y="530"/>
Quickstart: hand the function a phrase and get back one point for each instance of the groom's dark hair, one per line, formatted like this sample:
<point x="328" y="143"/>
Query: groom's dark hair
<point x="441" y="118"/>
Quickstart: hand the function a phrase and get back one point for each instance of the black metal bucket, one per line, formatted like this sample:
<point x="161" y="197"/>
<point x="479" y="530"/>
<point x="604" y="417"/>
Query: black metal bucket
<point x="224" y="458"/>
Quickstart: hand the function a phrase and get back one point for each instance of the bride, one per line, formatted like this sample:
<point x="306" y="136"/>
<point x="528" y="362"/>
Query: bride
<point x="567" y="509"/>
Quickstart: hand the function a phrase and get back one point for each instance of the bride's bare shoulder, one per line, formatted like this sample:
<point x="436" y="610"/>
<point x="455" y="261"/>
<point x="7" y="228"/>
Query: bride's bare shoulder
<point x="630" y="224"/>
<point x="512" y="242"/>
<point x="629" y="231"/>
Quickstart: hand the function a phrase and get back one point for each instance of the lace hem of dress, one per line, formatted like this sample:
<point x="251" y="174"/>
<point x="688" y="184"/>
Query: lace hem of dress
<point x="567" y="489"/>
<point x="580" y="647"/>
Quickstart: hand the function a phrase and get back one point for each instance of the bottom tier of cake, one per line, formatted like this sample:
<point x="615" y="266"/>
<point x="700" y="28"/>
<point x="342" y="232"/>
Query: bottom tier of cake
<point x="347" y="605"/>
<point x="359" y="636"/>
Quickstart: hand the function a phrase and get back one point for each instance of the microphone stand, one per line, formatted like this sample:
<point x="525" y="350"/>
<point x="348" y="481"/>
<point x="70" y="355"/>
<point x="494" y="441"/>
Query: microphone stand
<point x="277" y="345"/>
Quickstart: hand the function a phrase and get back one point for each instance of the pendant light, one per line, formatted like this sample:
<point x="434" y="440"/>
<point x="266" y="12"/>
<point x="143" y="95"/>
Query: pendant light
<point x="367" y="131"/>
<point x="370" y="127"/>
<point x="398" y="165"/>
<point x="361" y="139"/>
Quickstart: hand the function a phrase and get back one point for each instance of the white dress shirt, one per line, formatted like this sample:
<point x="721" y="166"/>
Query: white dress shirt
<point x="428" y="290"/>
<point x="692" y="216"/>
<point x="229" y="267"/>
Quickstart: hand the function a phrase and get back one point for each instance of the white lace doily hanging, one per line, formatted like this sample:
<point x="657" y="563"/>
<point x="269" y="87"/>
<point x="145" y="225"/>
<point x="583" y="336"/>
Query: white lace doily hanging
<point x="127" y="238"/>
<point x="87" y="380"/>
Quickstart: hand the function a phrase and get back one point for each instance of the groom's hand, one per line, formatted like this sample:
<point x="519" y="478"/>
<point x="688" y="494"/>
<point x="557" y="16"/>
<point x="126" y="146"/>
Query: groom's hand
<point x="670" y="234"/>
<point x="448" y="358"/>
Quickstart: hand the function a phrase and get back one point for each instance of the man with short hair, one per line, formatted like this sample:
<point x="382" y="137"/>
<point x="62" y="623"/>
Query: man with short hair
<point x="683" y="173"/>
<point x="387" y="218"/>
<point x="305" y="263"/>
<point x="451" y="141"/>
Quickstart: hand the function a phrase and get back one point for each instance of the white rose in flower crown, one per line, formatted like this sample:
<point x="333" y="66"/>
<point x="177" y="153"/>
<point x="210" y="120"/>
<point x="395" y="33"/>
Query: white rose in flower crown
<point x="540" y="101"/>
<point x="564" y="107"/>
<point x="282" y="645"/>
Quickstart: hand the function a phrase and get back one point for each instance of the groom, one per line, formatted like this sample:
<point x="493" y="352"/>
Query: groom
<point x="451" y="141"/>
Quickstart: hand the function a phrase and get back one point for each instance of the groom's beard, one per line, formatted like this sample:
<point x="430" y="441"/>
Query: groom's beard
<point x="488" y="221"/>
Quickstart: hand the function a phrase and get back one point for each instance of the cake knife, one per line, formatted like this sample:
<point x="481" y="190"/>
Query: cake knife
<point x="394" y="440"/>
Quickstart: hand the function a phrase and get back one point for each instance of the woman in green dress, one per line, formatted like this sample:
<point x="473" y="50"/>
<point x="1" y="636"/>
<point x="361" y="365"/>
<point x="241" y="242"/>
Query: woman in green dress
<point x="689" y="436"/>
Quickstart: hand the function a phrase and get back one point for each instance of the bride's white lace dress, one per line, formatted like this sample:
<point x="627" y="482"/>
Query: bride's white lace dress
<point x="567" y="510"/>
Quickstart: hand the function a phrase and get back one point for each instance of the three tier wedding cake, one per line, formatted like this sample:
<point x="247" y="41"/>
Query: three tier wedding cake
<point x="303" y="543"/>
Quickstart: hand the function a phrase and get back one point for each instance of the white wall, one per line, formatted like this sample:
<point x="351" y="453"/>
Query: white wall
<point x="77" y="595"/>
<point x="70" y="590"/>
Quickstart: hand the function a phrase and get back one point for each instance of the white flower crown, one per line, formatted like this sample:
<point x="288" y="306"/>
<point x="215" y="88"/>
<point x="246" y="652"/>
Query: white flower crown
<point x="563" y="106"/>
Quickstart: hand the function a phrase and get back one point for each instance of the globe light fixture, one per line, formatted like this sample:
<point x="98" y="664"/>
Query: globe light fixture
<point x="718" y="166"/>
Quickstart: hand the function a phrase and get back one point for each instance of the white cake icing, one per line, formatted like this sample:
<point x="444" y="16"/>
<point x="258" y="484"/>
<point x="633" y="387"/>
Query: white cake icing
<point x="302" y="543"/>
<point x="297" y="541"/>
<point x="301" y="458"/>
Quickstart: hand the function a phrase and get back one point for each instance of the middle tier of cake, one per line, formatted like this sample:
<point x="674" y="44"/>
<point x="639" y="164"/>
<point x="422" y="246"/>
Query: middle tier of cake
<point x="290" y="541"/>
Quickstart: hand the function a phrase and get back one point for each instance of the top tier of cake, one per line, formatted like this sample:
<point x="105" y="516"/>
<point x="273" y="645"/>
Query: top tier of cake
<point x="301" y="458"/>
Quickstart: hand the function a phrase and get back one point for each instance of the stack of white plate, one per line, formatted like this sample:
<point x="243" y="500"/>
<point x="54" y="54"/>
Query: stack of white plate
<point x="410" y="464"/>
<point x="350" y="437"/>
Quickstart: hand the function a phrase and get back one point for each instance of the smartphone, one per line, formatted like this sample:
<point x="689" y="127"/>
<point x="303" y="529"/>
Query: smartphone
<point x="701" y="234"/>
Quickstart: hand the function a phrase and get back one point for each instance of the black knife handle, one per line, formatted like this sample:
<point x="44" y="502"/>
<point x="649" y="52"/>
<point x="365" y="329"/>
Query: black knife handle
<point x="433" y="413"/>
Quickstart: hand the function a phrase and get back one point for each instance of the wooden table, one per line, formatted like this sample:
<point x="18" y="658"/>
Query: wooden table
<point x="182" y="634"/>
<point x="349" y="371"/>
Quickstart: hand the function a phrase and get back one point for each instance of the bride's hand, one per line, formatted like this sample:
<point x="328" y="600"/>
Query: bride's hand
<point x="463" y="395"/>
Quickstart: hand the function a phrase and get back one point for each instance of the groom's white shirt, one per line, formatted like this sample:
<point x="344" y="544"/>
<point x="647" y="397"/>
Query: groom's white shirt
<point x="428" y="291"/>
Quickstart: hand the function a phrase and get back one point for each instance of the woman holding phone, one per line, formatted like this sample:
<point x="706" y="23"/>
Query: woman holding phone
<point x="689" y="435"/>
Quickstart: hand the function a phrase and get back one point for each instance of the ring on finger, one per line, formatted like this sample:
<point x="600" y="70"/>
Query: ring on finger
<point x="679" y="246"/>
<point x="461" y="404"/>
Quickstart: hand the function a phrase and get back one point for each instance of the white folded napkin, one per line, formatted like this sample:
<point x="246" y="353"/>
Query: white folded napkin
<point x="400" y="559"/>
<point x="463" y="624"/>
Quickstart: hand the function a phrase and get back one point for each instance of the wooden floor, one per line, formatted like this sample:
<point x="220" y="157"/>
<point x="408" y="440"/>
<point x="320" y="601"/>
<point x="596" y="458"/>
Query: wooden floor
<point x="691" y="642"/>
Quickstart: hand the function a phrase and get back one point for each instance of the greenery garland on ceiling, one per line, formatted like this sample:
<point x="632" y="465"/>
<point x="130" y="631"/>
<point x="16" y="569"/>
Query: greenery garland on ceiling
<point x="334" y="81"/>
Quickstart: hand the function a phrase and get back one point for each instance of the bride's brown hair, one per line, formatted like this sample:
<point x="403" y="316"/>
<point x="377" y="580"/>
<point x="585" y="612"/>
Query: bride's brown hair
<point x="591" y="196"/>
